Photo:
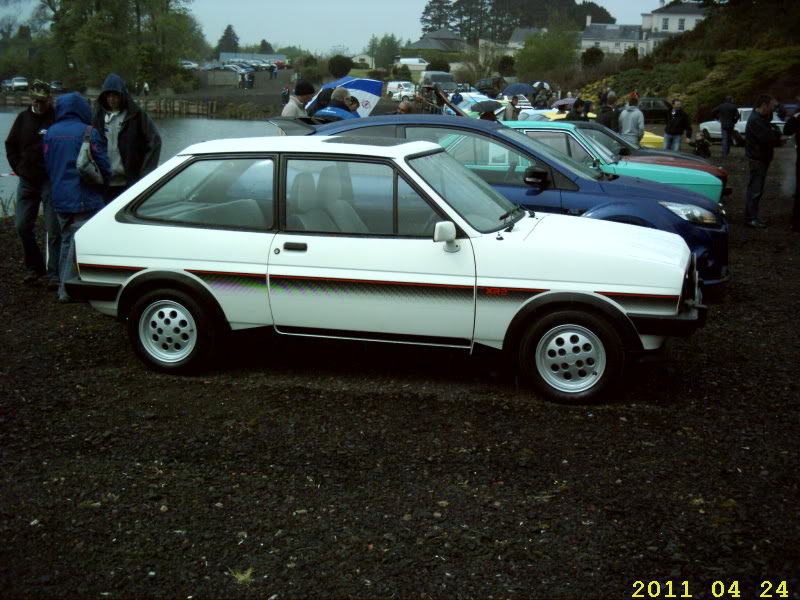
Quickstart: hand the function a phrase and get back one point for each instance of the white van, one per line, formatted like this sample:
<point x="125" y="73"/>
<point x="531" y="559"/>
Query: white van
<point x="417" y="61"/>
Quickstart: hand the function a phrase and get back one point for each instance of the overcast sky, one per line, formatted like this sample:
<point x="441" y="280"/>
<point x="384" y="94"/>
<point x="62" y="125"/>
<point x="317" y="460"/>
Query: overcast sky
<point x="319" y="25"/>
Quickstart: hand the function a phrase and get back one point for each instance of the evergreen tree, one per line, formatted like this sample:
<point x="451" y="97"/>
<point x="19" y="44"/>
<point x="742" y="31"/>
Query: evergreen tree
<point x="229" y="42"/>
<point x="265" y="48"/>
<point x="438" y="14"/>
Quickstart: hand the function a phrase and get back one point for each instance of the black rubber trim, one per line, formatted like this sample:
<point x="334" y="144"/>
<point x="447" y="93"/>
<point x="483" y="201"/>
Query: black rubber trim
<point x="83" y="290"/>
<point x="295" y="246"/>
<point x="375" y="336"/>
<point x="683" y="324"/>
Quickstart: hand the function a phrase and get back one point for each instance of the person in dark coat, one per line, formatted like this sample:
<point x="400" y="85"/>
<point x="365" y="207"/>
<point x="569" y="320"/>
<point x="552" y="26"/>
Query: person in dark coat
<point x="760" y="141"/>
<point x="792" y="127"/>
<point x="576" y="112"/>
<point x="132" y="140"/>
<point x="609" y="115"/>
<point x="677" y="123"/>
<point x="74" y="201"/>
<point x="24" y="153"/>
<point x="728" y="116"/>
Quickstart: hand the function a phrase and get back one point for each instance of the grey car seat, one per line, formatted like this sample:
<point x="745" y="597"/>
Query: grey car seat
<point x="335" y="196"/>
<point x="303" y="209"/>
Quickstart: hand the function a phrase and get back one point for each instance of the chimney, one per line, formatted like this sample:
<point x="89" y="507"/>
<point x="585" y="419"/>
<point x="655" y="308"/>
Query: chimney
<point x="589" y="20"/>
<point x="660" y="3"/>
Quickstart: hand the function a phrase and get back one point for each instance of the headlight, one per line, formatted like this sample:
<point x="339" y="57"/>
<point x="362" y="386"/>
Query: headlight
<point x="693" y="214"/>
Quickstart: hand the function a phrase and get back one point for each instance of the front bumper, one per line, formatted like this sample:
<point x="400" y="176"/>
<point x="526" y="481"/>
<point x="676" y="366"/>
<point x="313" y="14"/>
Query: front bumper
<point x="691" y="318"/>
<point x="83" y="290"/>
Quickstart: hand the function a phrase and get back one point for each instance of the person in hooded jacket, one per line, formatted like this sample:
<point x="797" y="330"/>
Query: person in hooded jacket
<point x="728" y="116"/>
<point x="24" y="153"/>
<point x="677" y="122"/>
<point x="132" y="140"/>
<point x="74" y="201"/>
<point x="609" y="114"/>
<point x="631" y="120"/>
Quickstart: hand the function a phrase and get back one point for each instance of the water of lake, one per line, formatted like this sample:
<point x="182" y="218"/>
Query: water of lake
<point x="176" y="134"/>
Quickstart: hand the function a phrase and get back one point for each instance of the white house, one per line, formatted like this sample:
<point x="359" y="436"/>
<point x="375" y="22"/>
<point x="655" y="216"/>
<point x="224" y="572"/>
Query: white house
<point x="365" y="58"/>
<point x="666" y="21"/>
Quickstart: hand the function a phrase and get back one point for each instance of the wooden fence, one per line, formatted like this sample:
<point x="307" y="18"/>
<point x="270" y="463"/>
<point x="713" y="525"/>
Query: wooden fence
<point x="171" y="107"/>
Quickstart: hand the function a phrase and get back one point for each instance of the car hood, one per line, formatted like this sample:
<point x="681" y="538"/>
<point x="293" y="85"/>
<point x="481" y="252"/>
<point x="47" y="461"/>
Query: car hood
<point x="679" y="161"/>
<point x="644" y="188"/>
<point x="600" y="255"/>
<point x="667" y="173"/>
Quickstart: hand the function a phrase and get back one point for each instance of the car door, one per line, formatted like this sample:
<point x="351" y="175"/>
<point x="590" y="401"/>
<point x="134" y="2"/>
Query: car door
<point x="355" y="258"/>
<point x="499" y="164"/>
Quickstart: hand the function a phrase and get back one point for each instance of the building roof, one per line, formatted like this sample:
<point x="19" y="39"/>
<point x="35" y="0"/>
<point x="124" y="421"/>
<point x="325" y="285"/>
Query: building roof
<point x="442" y="34"/>
<point x="443" y="40"/>
<point x="520" y="34"/>
<point x="429" y="44"/>
<point x="684" y="8"/>
<point x="606" y="31"/>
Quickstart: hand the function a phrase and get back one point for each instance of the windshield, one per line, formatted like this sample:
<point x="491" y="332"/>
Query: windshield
<point x="561" y="161"/>
<point x="606" y="147"/>
<point x="469" y="195"/>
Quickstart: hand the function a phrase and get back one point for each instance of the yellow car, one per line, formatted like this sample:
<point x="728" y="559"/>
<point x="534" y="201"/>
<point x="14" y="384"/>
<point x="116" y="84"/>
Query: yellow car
<point x="650" y="140"/>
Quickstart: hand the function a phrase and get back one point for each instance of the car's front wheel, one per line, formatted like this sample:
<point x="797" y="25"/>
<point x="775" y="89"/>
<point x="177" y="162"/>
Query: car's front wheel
<point x="171" y="332"/>
<point x="572" y="356"/>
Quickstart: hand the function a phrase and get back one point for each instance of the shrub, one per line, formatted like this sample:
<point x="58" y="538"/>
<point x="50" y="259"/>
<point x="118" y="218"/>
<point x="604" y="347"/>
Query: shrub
<point x="401" y="72"/>
<point x="592" y="57"/>
<point x="505" y="66"/>
<point x="378" y="74"/>
<point x="438" y="64"/>
<point x="339" y="65"/>
<point x="311" y="74"/>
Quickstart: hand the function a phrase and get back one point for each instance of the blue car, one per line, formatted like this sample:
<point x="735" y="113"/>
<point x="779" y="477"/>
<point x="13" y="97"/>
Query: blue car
<point x="501" y="156"/>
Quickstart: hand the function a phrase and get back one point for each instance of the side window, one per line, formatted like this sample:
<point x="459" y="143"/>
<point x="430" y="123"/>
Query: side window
<point x="557" y="140"/>
<point x="493" y="161"/>
<point x="577" y="152"/>
<point x="415" y="217"/>
<point x="230" y="193"/>
<point x="352" y="197"/>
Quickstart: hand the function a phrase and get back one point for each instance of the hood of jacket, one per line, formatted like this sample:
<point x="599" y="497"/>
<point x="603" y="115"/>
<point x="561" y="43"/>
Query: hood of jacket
<point x="114" y="83"/>
<point x="631" y="108"/>
<point x="73" y="105"/>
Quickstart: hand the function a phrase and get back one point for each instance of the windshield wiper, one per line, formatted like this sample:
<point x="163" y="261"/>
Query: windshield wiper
<point x="507" y="214"/>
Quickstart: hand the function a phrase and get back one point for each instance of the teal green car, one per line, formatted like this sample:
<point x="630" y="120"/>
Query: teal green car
<point x="579" y="144"/>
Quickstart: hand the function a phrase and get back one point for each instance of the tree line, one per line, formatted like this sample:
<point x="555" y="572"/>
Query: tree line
<point x="495" y="20"/>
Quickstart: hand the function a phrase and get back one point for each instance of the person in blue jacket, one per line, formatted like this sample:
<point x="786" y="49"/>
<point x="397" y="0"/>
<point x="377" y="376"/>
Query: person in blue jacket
<point x="337" y="109"/>
<point x="74" y="201"/>
<point x="132" y="140"/>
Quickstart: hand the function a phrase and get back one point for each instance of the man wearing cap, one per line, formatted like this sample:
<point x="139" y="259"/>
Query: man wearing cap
<point x="24" y="152"/>
<point x="296" y="107"/>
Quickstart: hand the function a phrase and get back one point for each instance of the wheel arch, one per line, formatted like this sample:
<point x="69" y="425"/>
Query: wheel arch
<point x="153" y="280"/>
<point x="548" y="303"/>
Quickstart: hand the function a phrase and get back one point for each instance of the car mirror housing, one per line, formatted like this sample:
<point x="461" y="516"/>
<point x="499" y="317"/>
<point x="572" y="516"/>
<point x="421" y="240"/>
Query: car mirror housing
<point x="536" y="177"/>
<point x="445" y="231"/>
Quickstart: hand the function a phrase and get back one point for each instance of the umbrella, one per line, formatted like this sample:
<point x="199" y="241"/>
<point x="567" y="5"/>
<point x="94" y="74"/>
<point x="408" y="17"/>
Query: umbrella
<point x="518" y="89"/>
<point x="485" y="106"/>
<point x="564" y="102"/>
<point x="541" y="84"/>
<point x="367" y="91"/>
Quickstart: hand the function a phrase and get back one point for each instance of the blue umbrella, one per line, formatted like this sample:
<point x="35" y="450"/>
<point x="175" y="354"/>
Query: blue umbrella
<point x="518" y="89"/>
<point x="368" y="92"/>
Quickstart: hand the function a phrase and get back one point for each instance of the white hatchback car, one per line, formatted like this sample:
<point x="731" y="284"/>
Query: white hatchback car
<point x="712" y="131"/>
<point x="400" y="90"/>
<point x="380" y="240"/>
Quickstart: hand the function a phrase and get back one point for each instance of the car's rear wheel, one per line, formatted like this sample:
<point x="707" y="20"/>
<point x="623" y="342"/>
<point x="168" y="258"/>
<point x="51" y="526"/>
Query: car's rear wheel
<point x="706" y="136"/>
<point x="572" y="356"/>
<point x="405" y="99"/>
<point x="171" y="332"/>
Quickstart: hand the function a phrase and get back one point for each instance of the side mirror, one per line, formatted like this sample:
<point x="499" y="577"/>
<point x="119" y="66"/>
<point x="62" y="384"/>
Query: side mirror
<point x="624" y="151"/>
<point x="534" y="176"/>
<point x="445" y="231"/>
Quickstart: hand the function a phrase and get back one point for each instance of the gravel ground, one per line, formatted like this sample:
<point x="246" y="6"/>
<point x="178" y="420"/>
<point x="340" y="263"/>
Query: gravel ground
<point x="305" y="468"/>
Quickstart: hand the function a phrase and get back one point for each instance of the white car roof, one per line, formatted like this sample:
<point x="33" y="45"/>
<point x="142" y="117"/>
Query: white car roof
<point x="378" y="147"/>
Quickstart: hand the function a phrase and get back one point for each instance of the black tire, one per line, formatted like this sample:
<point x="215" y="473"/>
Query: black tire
<point x="572" y="356"/>
<point x="707" y="136"/>
<point x="171" y="332"/>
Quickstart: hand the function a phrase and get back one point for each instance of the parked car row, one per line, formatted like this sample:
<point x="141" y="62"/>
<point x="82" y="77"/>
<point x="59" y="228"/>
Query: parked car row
<point x="16" y="84"/>
<point x="398" y="241"/>
<point x="712" y="131"/>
